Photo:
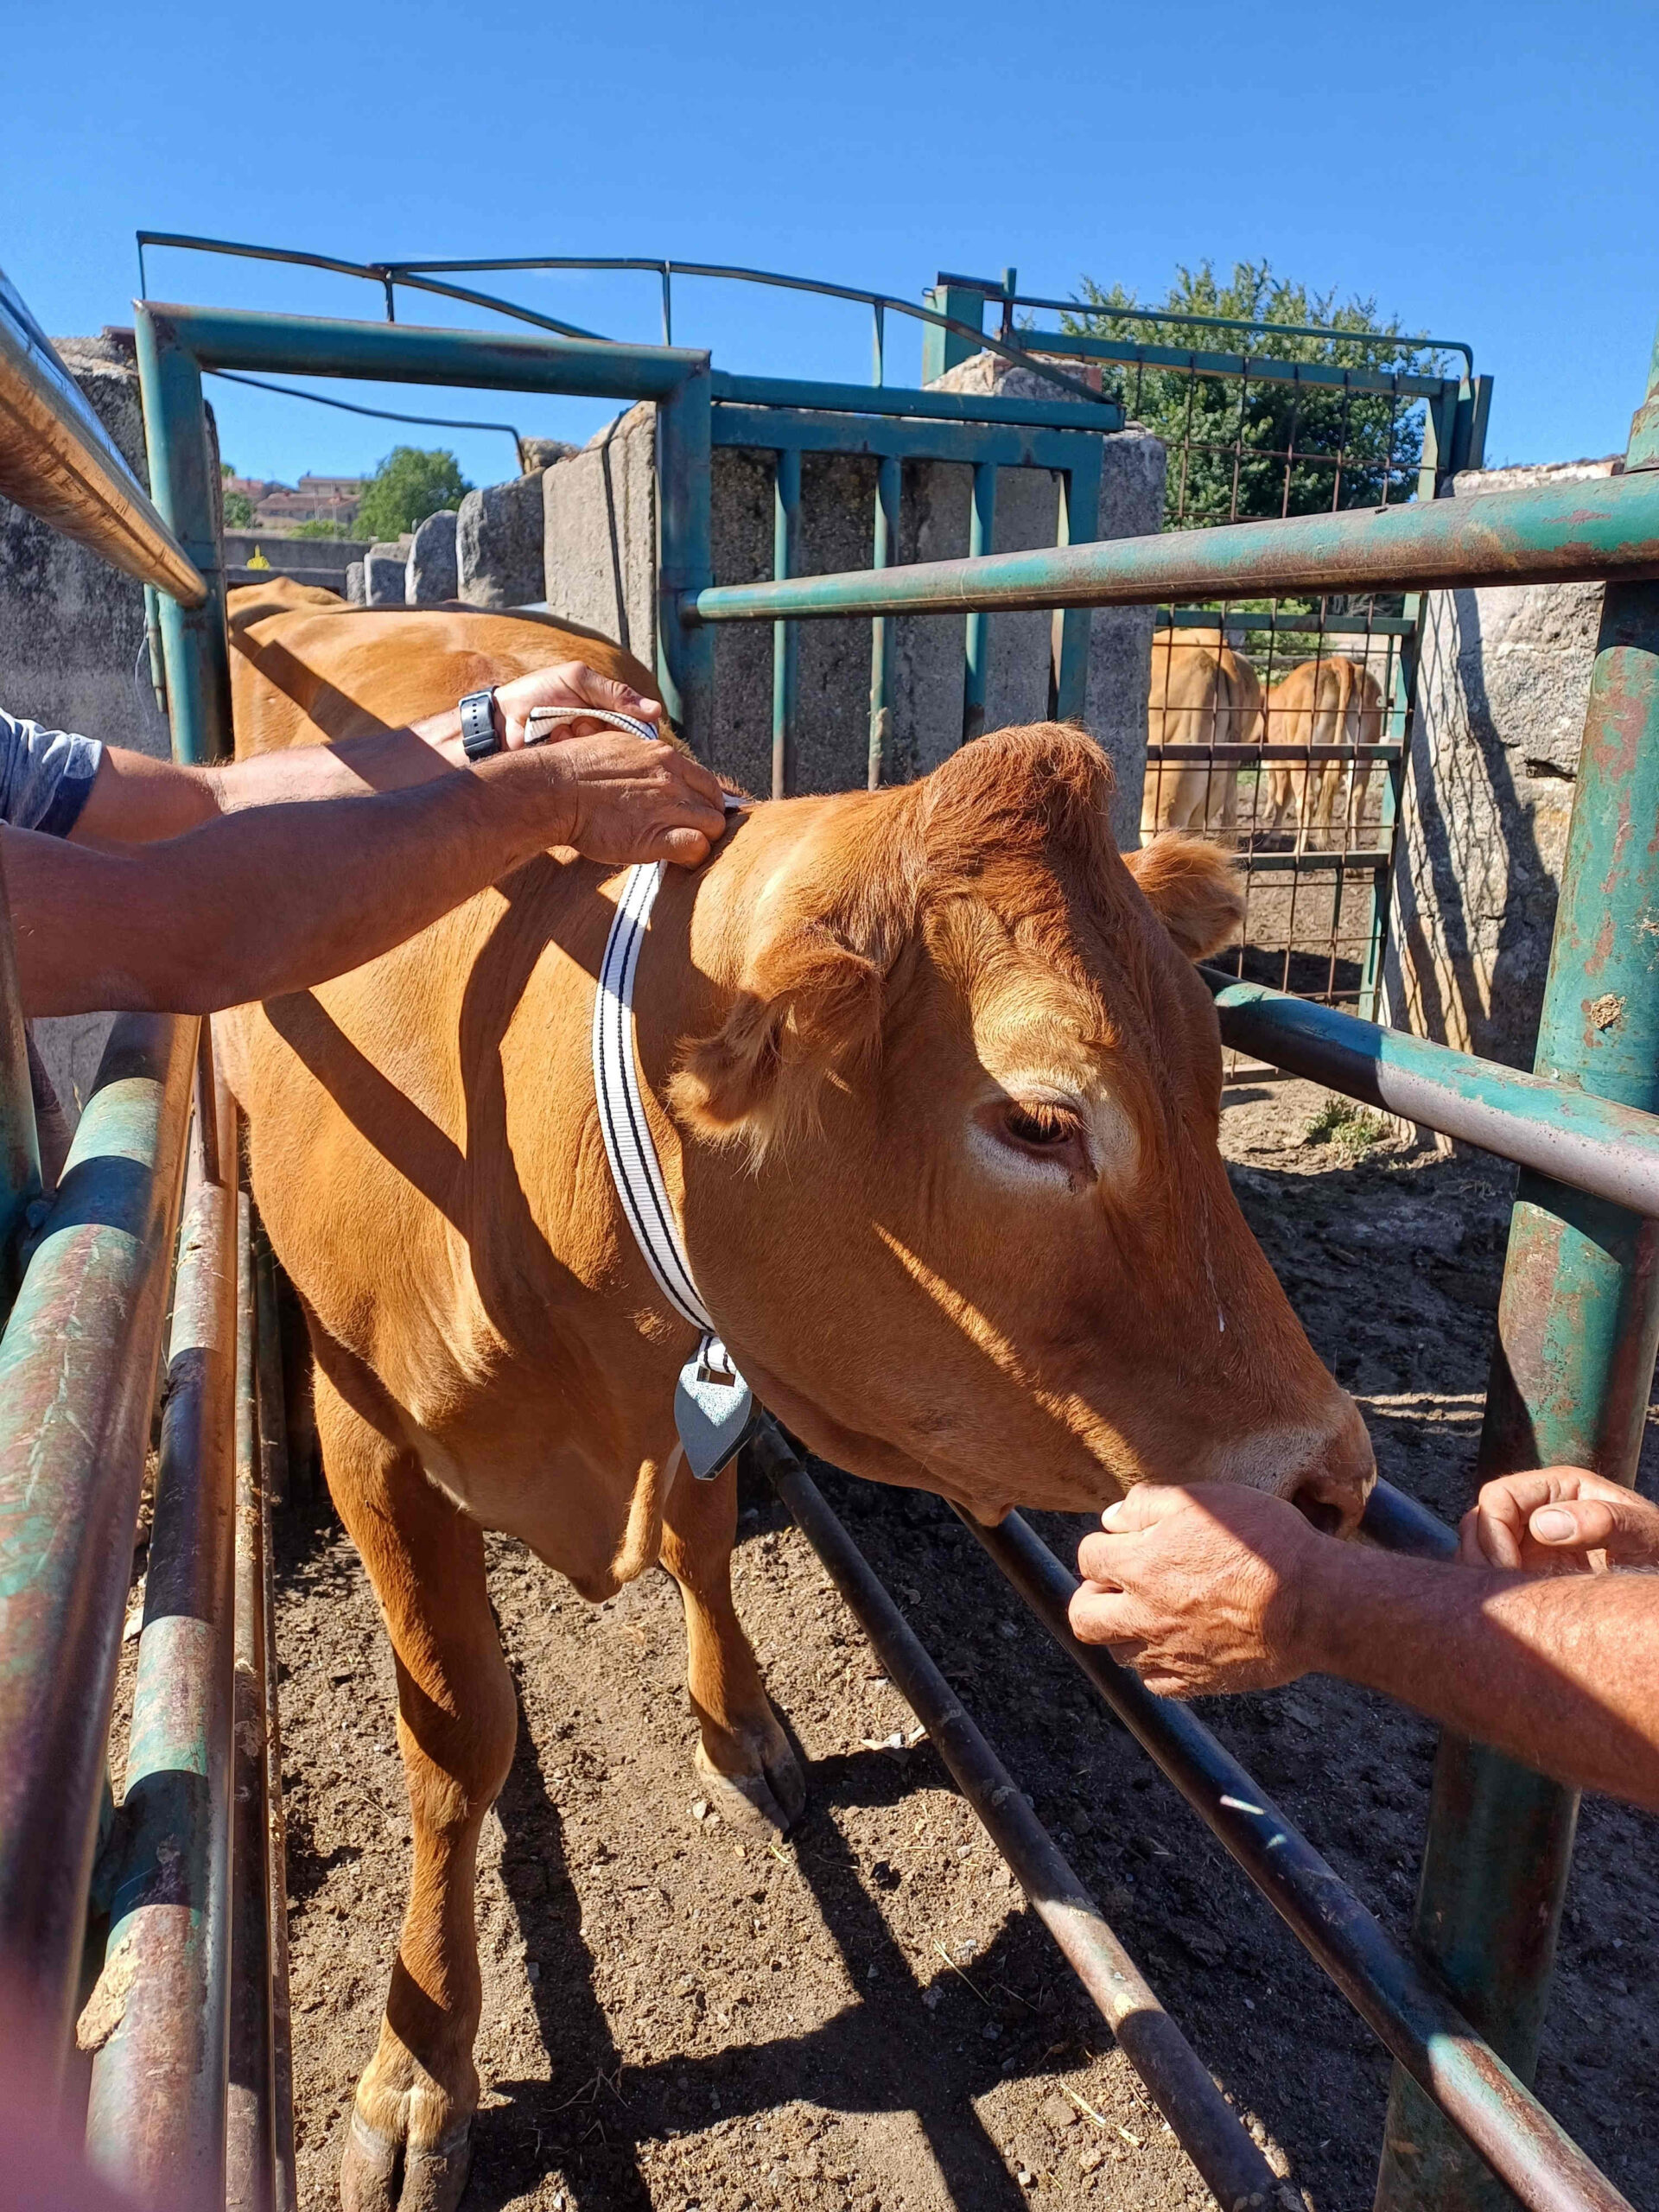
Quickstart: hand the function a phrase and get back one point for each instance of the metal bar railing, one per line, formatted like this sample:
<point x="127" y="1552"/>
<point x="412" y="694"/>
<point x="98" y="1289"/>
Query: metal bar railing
<point x="982" y="534"/>
<point x="915" y="404"/>
<point x="155" y="2119"/>
<point x="78" y="1365"/>
<point x="1555" y="534"/>
<point x="57" y="459"/>
<point x="230" y="338"/>
<point x="1260" y="368"/>
<point x="272" y="1446"/>
<point x="251" y="2101"/>
<point x="1519" y="2140"/>
<point x="884" y="550"/>
<point x="1572" y="1372"/>
<point x="1570" y="1135"/>
<point x="423" y="276"/>
<point x="786" y="638"/>
<point x="1013" y="299"/>
<point x="1181" y="2085"/>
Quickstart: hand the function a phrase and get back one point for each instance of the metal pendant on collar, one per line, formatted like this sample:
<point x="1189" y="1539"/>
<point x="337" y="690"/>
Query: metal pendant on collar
<point x="714" y="1406"/>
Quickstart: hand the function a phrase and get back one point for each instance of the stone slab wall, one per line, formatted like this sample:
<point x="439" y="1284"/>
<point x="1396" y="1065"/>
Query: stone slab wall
<point x="599" y="512"/>
<point x="1494" y="753"/>
<point x="292" y="557"/>
<point x="433" y="574"/>
<point x="73" y="651"/>
<point x="498" y="544"/>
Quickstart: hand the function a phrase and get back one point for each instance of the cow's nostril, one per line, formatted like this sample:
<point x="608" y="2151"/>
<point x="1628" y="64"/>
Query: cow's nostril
<point x="1328" y="1519"/>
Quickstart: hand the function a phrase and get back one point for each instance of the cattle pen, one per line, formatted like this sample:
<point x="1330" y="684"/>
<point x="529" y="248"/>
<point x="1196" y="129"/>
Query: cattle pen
<point x="177" y="1900"/>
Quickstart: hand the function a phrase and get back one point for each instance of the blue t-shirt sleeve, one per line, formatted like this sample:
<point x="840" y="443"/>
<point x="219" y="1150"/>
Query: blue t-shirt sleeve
<point x="45" y="775"/>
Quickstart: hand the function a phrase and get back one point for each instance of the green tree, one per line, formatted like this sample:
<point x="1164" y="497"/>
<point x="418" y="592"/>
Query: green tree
<point x="238" y="511"/>
<point x="1241" y="447"/>
<point x="409" y="485"/>
<point x="319" y="528"/>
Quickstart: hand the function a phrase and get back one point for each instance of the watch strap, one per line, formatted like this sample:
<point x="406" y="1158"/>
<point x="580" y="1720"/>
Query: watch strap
<point x="477" y="737"/>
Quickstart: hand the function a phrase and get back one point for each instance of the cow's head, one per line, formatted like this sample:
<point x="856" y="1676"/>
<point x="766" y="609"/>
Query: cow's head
<point x="966" y="1224"/>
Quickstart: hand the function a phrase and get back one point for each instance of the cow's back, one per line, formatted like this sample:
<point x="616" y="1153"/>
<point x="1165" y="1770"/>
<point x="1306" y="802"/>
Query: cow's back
<point x="378" y="1105"/>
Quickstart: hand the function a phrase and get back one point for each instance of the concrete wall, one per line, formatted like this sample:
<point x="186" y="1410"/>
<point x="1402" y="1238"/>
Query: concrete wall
<point x="599" y="509"/>
<point x="290" y="555"/>
<point x="1494" y="753"/>
<point x="73" y="653"/>
<point x="498" y="544"/>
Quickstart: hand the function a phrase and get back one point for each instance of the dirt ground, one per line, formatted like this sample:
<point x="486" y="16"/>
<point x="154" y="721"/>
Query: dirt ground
<point x="677" y="2015"/>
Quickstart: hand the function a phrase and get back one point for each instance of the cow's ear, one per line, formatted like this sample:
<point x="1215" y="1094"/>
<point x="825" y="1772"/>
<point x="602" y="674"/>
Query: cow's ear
<point x="1193" y="889"/>
<point x="809" y="1011"/>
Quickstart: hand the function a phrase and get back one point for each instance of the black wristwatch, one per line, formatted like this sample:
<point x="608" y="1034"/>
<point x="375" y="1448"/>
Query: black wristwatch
<point x="477" y="737"/>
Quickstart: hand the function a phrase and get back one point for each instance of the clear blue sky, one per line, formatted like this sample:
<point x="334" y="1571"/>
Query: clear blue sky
<point x="1488" y="172"/>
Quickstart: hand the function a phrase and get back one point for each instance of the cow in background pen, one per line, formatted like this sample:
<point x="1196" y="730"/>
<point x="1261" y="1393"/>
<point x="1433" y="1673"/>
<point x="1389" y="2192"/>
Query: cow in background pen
<point x="1330" y="701"/>
<point x="1203" y="693"/>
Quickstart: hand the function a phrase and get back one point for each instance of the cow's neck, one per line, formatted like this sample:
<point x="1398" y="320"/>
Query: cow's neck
<point x="706" y="922"/>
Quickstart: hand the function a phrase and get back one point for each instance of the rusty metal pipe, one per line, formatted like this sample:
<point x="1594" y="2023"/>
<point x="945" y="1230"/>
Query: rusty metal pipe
<point x="273" y="1484"/>
<point x="1556" y="534"/>
<point x="1523" y="2144"/>
<point x="159" y="2017"/>
<point x="1559" y="1129"/>
<point x="57" y="459"/>
<point x="78" y="1365"/>
<point x="1209" y="2129"/>
<point x="250" y="2169"/>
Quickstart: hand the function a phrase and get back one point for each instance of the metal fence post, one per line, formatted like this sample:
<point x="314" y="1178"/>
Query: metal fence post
<point x="183" y="477"/>
<point x="946" y="349"/>
<point x="981" y="535"/>
<point x="785" y="638"/>
<point x="685" y="655"/>
<point x="77" y="1381"/>
<point x="1077" y="524"/>
<point x="884" y="552"/>
<point x="1577" y="1327"/>
<point x="155" y="2117"/>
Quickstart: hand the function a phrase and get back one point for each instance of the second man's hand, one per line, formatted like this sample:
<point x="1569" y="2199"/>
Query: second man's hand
<point x="619" y="799"/>
<point x="567" y="683"/>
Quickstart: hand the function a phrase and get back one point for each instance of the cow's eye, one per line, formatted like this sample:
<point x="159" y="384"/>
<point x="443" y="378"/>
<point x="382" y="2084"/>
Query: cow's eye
<point x="1042" y="1127"/>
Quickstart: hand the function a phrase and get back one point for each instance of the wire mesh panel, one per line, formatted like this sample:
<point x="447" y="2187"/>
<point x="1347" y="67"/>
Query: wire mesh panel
<point x="1279" y="725"/>
<point x="1281" y="731"/>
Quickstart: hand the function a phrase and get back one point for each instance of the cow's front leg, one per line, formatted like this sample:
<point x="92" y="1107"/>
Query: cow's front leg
<point x="408" y="2144"/>
<point x="744" y="1755"/>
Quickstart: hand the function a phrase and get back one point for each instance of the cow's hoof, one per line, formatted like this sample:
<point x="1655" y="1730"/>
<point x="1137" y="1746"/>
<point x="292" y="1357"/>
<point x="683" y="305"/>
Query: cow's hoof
<point x="378" y="2174"/>
<point x="774" y="1796"/>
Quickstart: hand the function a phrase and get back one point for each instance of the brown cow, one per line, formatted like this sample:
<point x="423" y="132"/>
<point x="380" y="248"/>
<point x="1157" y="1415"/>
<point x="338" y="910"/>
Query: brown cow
<point x="1330" y="701"/>
<point x="1202" y="693"/>
<point x="936" y="1092"/>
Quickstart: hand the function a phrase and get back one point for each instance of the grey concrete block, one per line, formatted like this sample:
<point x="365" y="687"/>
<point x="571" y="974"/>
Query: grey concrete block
<point x="292" y="557"/>
<point x="1502" y="683"/>
<point x="385" y="574"/>
<point x="498" y="544"/>
<point x="433" y="573"/>
<point x="599" y="532"/>
<point x="357" y="590"/>
<point x="542" y="453"/>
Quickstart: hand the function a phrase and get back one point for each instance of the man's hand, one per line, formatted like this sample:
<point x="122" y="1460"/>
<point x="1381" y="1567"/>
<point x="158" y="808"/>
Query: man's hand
<point x="570" y="683"/>
<point x="1559" y="1520"/>
<point x="620" y="798"/>
<point x="1197" y="1588"/>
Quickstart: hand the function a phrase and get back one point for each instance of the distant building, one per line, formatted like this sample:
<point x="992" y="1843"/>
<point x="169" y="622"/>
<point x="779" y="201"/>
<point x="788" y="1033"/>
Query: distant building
<point x="333" y="500"/>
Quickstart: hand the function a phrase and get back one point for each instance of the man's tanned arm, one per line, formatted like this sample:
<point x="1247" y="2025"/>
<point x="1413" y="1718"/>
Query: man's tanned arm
<point x="1217" y="1587"/>
<point x="135" y="798"/>
<point x="274" y="897"/>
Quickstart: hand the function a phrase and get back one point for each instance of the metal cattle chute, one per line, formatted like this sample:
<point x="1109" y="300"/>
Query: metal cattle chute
<point x="189" y="2073"/>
